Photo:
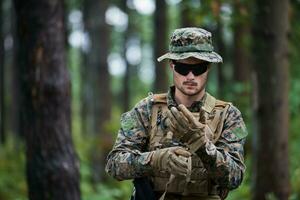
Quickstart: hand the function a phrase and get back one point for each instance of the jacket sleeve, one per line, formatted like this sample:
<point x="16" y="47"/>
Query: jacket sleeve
<point x="224" y="160"/>
<point x="128" y="158"/>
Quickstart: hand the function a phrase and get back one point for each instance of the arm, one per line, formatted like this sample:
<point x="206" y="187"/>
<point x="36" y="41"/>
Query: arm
<point x="225" y="159"/>
<point x="128" y="158"/>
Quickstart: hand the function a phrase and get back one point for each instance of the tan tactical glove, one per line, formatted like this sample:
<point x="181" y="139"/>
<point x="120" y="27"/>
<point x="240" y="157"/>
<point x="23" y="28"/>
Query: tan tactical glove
<point x="172" y="159"/>
<point x="186" y="127"/>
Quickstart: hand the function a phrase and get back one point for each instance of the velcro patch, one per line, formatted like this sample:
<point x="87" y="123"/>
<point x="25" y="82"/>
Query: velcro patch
<point x="128" y="121"/>
<point x="240" y="132"/>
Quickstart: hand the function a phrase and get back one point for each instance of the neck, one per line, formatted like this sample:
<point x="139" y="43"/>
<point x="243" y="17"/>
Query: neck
<point x="188" y="100"/>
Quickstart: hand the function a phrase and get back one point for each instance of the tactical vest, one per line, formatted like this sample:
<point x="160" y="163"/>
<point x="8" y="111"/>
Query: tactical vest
<point x="200" y="184"/>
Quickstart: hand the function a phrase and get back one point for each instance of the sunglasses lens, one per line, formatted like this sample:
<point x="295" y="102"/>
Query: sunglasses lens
<point x="181" y="70"/>
<point x="185" y="69"/>
<point x="199" y="70"/>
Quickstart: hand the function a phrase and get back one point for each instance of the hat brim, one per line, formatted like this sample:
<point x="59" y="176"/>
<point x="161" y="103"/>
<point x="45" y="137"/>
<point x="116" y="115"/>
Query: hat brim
<point x="212" y="57"/>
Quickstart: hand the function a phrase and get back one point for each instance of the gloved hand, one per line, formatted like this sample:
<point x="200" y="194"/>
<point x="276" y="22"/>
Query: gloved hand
<point x="186" y="127"/>
<point x="172" y="159"/>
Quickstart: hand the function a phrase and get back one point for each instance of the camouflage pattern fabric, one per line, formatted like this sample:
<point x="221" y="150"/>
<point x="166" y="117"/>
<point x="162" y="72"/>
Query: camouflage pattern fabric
<point x="191" y="42"/>
<point x="224" y="160"/>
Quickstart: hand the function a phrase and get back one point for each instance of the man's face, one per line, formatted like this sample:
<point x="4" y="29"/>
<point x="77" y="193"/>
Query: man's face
<point x="189" y="84"/>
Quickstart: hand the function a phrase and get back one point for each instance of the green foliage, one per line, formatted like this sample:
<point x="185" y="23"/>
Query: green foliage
<point x="121" y="190"/>
<point x="106" y="194"/>
<point x="174" y="19"/>
<point x="110" y="189"/>
<point x="294" y="156"/>
<point x="12" y="171"/>
<point x="102" y="191"/>
<point x="294" y="97"/>
<point x="271" y="196"/>
<point x="294" y="100"/>
<point x="244" y="191"/>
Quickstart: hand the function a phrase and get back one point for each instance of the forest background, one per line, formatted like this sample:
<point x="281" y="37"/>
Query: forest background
<point x="69" y="69"/>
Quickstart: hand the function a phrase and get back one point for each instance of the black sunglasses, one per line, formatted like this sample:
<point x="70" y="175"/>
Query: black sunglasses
<point x="185" y="69"/>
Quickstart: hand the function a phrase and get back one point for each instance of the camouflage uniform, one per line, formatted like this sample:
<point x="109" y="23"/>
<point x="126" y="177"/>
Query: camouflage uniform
<point x="222" y="159"/>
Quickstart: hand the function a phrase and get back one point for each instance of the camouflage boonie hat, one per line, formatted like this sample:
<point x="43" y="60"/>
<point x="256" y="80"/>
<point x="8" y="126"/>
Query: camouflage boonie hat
<point x="191" y="42"/>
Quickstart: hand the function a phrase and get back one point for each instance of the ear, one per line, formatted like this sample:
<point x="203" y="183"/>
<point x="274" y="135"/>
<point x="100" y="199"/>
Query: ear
<point x="171" y="64"/>
<point x="209" y="66"/>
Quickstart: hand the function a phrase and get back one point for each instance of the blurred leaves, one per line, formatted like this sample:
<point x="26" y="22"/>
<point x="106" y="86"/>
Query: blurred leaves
<point x="12" y="170"/>
<point x="203" y="13"/>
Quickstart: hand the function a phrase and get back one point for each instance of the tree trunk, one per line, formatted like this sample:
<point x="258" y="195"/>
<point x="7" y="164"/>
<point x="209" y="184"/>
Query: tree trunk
<point x="220" y="69"/>
<point x="86" y="95"/>
<point x="2" y="87"/>
<point x="186" y="19"/>
<point x="126" y="94"/>
<point x="160" y="36"/>
<point x="89" y="69"/>
<point x="15" y="119"/>
<point x="241" y="57"/>
<point x="126" y="88"/>
<point x="216" y="8"/>
<point x="104" y="97"/>
<point x="241" y="71"/>
<point x="51" y="163"/>
<point x="100" y="85"/>
<point x="271" y="71"/>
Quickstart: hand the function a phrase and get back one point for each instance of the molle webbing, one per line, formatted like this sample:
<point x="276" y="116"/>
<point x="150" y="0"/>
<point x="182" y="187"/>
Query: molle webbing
<point x="213" y="113"/>
<point x="159" y="105"/>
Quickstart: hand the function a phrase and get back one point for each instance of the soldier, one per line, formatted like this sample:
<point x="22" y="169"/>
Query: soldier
<point x="188" y="144"/>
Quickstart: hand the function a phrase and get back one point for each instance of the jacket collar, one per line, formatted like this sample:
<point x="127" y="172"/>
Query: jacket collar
<point x="206" y="102"/>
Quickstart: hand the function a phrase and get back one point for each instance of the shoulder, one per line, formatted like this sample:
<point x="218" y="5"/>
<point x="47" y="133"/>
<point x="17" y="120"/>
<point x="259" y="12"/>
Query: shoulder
<point x="232" y="112"/>
<point x="233" y="123"/>
<point x="146" y="104"/>
<point x="211" y="103"/>
<point x="218" y="103"/>
<point x="141" y="112"/>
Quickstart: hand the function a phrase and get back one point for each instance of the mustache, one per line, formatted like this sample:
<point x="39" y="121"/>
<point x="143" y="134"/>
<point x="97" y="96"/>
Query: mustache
<point x="190" y="83"/>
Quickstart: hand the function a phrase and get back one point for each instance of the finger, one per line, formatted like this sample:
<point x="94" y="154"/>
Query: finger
<point x="162" y="154"/>
<point x="196" y="137"/>
<point x="172" y="129"/>
<point x="174" y="122"/>
<point x="169" y="124"/>
<point x="182" y="152"/>
<point x="187" y="113"/>
<point x="175" y="168"/>
<point x="179" y="117"/>
<point x="180" y="161"/>
<point x="171" y="117"/>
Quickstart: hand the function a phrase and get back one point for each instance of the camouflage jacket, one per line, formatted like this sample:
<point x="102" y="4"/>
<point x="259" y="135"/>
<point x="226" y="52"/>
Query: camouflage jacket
<point x="224" y="160"/>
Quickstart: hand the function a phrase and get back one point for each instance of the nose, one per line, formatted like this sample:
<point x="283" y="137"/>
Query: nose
<point x="190" y="76"/>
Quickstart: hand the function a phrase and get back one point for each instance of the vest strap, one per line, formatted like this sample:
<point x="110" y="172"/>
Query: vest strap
<point x="209" y="103"/>
<point x="159" y="100"/>
<point x="153" y="121"/>
<point x="172" y="177"/>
